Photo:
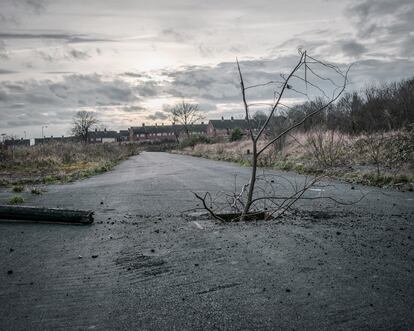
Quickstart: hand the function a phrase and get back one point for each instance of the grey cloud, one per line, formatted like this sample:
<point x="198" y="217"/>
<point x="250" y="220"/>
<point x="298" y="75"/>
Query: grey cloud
<point x="3" y="51"/>
<point x="149" y="88"/>
<point x="59" y="72"/>
<point x="371" y="70"/>
<point x="79" y="55"/>
<point x="12" y="9"/>
<point x="6" y="72"/>
<point x="158" y="115"/>
<point x="54" y="102"/>
<point x="133" y="109"/>
<point x="175" y="35"/>
<point x="221" y="83"/>
<point x="3" y="95"/>
<point x="205" y="106"/>
<point x="34" y="5"/>
<point x="17" y="106"/>
<point x="45" y="56"/>
<point x="407" y="46"/>
<point x="387" y="22"/>
<point x="133" y="74"/>
<point x="365" y="9"/>
<point x="69" y="38"/>
<point x="70" y="54"/>
<point x="352" y="48"/>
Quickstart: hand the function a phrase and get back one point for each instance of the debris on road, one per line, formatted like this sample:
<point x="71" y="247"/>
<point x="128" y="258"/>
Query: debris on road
<point x="48" y="215"/>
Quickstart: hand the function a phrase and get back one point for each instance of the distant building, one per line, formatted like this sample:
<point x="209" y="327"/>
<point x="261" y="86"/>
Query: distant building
<point x="17" y="142"/>
<point x="123" y="135"/>
<point x="51" y="139"/>
<point x="224" y="128"/>
<point x="104" y="136"/>
<point x="164" y="132"/>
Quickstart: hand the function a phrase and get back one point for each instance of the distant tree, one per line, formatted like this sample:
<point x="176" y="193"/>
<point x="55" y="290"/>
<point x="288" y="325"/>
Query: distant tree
<point x="186" y="114"/>
<point x="83" y="121"/>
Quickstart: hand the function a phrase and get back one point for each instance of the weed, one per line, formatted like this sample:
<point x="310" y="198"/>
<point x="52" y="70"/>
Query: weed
<point x="18" y="188"/>
<point x="284" y="165"/>
<point x="35" y="191"/>
<point x="16" y="200"/>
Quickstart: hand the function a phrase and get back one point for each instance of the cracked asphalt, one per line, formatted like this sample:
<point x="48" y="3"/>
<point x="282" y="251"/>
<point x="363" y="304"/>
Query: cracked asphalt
<point x="146" y="263"/>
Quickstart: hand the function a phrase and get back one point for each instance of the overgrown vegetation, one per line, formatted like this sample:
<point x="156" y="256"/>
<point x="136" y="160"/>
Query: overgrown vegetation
<point x="59" y="162"/>
<point x="377" y="159"/>
<point x="376" y="108"/>
<point x="366" y="136"/>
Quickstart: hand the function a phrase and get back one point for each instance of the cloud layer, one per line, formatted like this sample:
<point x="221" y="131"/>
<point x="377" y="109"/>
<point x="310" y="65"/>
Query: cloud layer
<point x="128" y="59"/>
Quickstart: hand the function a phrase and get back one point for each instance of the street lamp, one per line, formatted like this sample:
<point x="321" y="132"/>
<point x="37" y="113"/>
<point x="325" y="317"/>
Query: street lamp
<point x="43" y="127"/>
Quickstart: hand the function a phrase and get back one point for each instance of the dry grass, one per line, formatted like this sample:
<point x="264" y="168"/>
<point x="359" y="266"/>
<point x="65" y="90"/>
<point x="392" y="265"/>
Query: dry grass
<point x="59" y="161"/>
<point x="385" y="159"/>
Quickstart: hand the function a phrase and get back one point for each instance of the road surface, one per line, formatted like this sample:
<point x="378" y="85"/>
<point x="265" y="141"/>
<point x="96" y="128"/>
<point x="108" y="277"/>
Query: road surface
<point x="146" y="264"/>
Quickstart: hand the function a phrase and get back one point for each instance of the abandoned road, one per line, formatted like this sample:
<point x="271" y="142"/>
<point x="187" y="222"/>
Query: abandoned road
<point x="147" y="263"/>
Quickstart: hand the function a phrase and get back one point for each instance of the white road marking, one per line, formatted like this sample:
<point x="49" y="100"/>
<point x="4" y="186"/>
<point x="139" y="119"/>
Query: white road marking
<point x="198" y="225"/>
<point x="316" y="189"/>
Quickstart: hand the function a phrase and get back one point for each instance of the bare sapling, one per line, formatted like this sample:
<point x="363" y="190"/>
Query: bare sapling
<point x="309" y="78"/>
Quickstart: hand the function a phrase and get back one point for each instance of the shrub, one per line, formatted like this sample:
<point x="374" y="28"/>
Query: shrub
<point x="327" y="147"/>
<point x="236" y="135"/>
<point x="16" y="200"/>
<point x="35" y="191"/>
<point x="18" y="188"/>
<point x="194" y="140"/>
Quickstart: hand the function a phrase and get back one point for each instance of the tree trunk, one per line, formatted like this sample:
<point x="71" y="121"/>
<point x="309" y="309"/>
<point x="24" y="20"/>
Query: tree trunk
<point x="252" y="183"/>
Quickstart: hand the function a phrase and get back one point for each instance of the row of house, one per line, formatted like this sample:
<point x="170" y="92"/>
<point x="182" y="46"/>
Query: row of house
<point x="214" y="128"/>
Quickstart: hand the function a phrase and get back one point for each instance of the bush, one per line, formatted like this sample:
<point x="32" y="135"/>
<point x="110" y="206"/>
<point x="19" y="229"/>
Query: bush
<point x="400" y="149"/>
<point x="18" y="188"/>
<point x="16" y="200"/>
<point x="327" y="147"/>
<point x="35" y="191"/>
<point x="194" y="140"/>
<point x="236" y="135"/>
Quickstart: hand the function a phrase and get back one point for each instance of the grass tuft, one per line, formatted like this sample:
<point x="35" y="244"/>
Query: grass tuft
<point x="16" y="200"/>
<point x="18" y="188"/>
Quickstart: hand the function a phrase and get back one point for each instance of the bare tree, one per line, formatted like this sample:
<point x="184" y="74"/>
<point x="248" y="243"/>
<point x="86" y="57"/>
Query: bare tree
<point x="186" y="114"/>
<point x="83" y="121"/>
<point x="304" y="80"/>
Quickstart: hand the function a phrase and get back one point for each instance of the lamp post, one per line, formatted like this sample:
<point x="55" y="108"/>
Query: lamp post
<point x="43" y="127"/>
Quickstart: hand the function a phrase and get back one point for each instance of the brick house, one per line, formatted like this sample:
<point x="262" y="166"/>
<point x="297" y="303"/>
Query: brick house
<point x="51" y="139"/>
<point x="163" y="132"/>
<point x="16" y="142"/>
<point x="224" y="128"/>
<point x="123" y="135"/>
<point x="104" y="136"/>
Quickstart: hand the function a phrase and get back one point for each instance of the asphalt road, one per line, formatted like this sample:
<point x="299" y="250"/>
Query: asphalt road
<point x="146" y="264"/>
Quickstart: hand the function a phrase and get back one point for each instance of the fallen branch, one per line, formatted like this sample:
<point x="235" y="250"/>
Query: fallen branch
<point x="212" y="213"/>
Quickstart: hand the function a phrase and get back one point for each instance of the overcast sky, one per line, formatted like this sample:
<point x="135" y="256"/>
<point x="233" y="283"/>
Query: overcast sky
<point x="129" y="59"/>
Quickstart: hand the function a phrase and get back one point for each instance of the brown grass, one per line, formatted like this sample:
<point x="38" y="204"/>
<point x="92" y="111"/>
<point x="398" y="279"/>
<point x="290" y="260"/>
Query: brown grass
<point x="60" y="161"/>
<point x="335" y="154"/>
